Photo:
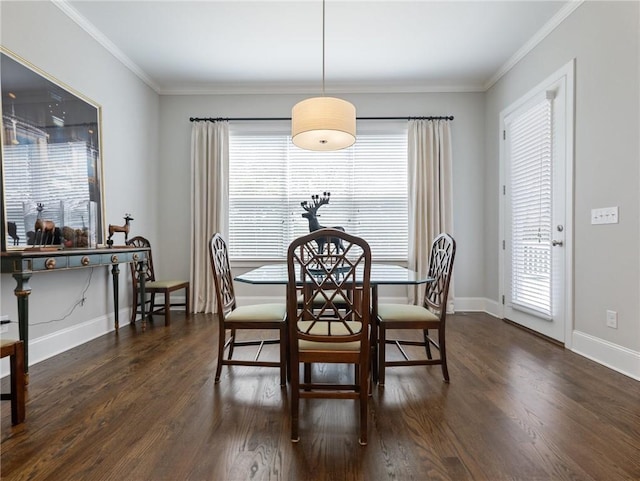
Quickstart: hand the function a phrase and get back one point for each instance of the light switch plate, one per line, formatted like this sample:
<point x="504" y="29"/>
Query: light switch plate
<point x="604" y="215"/>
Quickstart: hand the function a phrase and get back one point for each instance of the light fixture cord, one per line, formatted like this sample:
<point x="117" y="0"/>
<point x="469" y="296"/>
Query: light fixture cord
<point x="323" y="28"/>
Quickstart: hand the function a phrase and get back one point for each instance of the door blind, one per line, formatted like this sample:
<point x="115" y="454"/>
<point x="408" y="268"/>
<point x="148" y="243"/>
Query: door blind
<point x="530" y="138"/>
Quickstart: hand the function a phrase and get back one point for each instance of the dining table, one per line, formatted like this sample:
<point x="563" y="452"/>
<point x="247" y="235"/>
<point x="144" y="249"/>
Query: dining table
<point x="381" y="274"/>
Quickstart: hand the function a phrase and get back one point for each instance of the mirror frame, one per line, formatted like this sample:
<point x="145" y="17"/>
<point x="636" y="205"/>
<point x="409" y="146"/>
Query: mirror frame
<point x="41" y="119"/>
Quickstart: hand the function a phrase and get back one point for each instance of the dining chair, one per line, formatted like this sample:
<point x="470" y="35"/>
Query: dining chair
<point x="153" y="286"/>
<point x="15" y="350"/>
<point x="233" y="318"/>
<point x="335" y="330"/>
<point x="430" y="315"/>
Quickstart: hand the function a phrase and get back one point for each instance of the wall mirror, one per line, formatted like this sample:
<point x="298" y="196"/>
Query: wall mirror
<point x="51" y="166"/>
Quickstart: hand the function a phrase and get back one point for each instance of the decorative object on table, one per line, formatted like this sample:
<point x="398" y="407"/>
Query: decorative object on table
<point x="75" y="237"/>
<point x="45" y="228"/>
<point x="79" y="224"/>
<point x="311" y="215"/>
<point x="120" y="228"/>
<point x="12" y="230"/>
<point x="42" y="233"/>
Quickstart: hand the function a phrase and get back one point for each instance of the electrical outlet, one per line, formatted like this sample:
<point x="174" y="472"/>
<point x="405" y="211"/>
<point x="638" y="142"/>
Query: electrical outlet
<point x="605" y="215"/>
<point x="612" y="319"/>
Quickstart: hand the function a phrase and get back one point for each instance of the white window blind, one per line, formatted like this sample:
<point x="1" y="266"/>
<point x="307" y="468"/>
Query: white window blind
<point x="269" y="177"/>
<point x="530" y="142"/>
<point x="52" y="174"/>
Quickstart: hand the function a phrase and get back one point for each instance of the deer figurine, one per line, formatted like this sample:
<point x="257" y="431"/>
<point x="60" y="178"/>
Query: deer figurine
<point x="46" y="228"/>
<point x="311" y="215"/>
<point x="120" y="228"/>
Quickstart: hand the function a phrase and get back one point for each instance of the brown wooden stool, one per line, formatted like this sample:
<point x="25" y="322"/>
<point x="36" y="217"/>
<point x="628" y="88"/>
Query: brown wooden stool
<point x="15" y="350"/>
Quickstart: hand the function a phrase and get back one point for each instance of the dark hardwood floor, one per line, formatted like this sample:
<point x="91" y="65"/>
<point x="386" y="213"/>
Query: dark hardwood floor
<point x="142" y="406"/>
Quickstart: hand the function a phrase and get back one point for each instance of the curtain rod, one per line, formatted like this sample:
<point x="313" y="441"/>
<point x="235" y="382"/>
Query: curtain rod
<point x="217" y="119"/>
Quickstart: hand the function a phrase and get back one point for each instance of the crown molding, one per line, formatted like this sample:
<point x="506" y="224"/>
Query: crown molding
<point x="88" y="27"/>
<point x="249" y="89"/>
<point x="547" y="28"/>
<point x="292" y="89"/>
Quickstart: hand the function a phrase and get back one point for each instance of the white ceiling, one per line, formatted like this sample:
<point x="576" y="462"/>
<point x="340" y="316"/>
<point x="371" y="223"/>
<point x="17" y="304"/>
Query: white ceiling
<point x="276" y="46"/>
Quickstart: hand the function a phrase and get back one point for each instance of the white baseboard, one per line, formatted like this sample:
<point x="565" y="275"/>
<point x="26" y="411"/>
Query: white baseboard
<point x="613" y="356"/>
<point x="608" y="354"/>
<point x="476" y="304"/>
<point x="47" y="346"/>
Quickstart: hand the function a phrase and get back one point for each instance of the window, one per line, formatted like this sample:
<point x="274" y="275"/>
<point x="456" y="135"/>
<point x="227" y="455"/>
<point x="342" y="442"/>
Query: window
<point x="269" y="177"/>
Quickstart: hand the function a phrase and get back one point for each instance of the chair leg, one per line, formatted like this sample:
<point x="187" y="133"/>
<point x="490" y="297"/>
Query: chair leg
<point x="187" y="300"/>
<point x="295" y="400"/>
<point x="232" y="343"/>
<point x="134" y="309"/>
<point x="152" y="306"/>
<point x="307" y="373"/>
<point x="382" y="339"/>
<point x="283" y="357"/>
<point x="167" y="309"/>
<point x="222" y="334"/>
<point x="443" y="354"/>
<point x="16" y="368"/>
<point x="364" y="397"/>
<point x="374" y="351"/>
<point x="427" y="344"/>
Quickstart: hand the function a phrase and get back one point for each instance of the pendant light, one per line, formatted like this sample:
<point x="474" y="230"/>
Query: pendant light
<point x="323" y="123"/>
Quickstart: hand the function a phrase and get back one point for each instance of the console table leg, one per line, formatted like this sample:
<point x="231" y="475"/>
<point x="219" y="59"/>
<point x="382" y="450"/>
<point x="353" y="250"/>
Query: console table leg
<point x="115" y="271"/>
<point x="22" y="291"/>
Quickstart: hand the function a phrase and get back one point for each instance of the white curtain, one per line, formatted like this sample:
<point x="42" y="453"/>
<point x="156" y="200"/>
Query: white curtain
<point x="209" y="204"/>
<point x="430" y="194"/>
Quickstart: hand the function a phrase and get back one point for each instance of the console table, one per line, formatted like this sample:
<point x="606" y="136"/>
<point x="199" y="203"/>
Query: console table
<point x="22" y="264"/>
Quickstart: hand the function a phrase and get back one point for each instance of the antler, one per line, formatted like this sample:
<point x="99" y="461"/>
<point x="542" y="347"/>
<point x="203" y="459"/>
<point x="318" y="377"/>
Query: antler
<point x="316" y="202"/>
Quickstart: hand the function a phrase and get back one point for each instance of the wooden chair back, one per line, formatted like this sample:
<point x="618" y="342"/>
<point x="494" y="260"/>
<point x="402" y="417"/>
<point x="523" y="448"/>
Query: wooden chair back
<point x="139" y="241"/>
<point x="222" y="277"/>
<point x="443" y="252"/>
<point x="324" y="266"/>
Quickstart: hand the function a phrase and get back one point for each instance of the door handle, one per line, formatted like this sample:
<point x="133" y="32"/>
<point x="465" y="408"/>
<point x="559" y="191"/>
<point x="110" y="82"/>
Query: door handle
<point x="557" y="243"/>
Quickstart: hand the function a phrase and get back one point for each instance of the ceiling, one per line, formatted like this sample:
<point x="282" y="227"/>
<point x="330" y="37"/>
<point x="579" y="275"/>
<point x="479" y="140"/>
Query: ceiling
<point x="266" y="46"/>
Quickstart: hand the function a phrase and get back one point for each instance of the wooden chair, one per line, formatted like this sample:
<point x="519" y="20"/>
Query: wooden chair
<point x="15" y="350"/>
<point x="338" y="330"/>
<point x="233" y="318"/>
<point x="432" y="314"/>
<point x="153" y="287"/>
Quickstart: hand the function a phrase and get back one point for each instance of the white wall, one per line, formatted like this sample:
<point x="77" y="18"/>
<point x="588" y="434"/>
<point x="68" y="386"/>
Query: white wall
<point x="41" y="34"/>
<point x="604" y="39"/>
<point x="468" y="158"/>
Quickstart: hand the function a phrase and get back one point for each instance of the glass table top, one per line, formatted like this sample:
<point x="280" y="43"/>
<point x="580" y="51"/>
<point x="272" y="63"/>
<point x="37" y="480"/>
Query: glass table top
<point x="380" y="274"/>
